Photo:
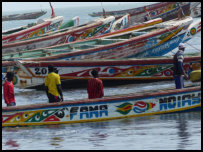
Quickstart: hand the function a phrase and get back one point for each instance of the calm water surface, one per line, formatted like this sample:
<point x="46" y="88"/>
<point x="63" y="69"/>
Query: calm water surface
<point x="169" y="131"/>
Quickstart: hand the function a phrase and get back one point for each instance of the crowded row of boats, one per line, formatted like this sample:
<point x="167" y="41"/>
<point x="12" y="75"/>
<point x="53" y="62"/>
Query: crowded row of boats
<point x="126" y="46"/>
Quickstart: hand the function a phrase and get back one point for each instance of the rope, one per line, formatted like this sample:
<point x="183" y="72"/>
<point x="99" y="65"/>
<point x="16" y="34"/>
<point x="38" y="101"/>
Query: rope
<point x="185" y="42"/>
<point x="195" y="6"/>
<point x="193" y="46"/>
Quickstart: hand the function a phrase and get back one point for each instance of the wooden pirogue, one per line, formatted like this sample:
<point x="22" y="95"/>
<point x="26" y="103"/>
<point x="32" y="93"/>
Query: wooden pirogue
<point x="35" y="29"/>
<point x="32" y="73"/>
<point x="107" y="108"/>
<point x="90" y="29"/>
<point x="158" y="40"/>
<point x="165" y="10"/>
<point x="24" y="16"/>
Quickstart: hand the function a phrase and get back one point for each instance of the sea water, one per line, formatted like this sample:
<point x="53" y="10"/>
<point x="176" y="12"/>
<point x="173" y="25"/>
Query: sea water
<point x="180" y="131"/>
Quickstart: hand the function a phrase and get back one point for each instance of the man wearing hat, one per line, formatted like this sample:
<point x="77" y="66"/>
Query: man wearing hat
<point x="53" y="86"/>
<point x="178" y="69"/>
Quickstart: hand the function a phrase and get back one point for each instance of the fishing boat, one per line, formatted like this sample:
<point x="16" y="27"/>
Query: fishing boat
<point x="121" y="45"/>
<point x="32" y="73"/>
<point x="23" y="16"/>
<point x="106" y="108"/>
<point x="165" y="10"/>
<point x="42" y="26"/>
<point x="193" y="29"/>
<point x="69" y="23"/>
<point x="89" y="29"/>
<point x="76" y="34"/>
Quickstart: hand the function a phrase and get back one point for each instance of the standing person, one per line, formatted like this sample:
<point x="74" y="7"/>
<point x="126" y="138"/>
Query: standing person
<point x="8" y="90"/>
<point x="95" y="86"/>
<point x="178" y="69"/>
<point x="53" y="86"/>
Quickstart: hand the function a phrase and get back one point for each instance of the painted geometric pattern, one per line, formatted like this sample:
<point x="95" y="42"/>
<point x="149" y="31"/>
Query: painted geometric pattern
<point x="138" y="107"/>
<point x="118" y="71"/>
<point x="35" y="116"/>
<point x="124" y="108"/>
<point x="141" y="106"/>
<point x="132" y="71"/>
<point x="88" y="33"/>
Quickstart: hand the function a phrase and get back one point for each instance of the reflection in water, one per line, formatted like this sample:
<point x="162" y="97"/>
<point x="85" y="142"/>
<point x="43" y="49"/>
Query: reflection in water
<point x="182" y="132"/>
<point x="12" y="144"/>
<point x="96" y="138"/>
<point x="146" y="132"/>
<point x="55" y="141"/>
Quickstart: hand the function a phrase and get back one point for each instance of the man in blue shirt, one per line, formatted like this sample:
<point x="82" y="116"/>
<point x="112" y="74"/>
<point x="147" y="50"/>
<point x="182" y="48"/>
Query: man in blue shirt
<point x="178" y="69"/>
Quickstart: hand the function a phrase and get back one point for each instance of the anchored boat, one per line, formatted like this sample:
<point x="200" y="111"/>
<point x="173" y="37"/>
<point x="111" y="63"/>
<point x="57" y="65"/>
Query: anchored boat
<point x="33" y="30"/>
<point x="89" y="29"/>
<point x="32" y="73"/>
<point x="41" y="27"/>
<point x="107" y="108"/>
<point x="121" y="45"/>
<point x="165" y="10"/>
<point x="73" y="22"/>
<point x="193" y="29"/>
<point x="24" y="16"/>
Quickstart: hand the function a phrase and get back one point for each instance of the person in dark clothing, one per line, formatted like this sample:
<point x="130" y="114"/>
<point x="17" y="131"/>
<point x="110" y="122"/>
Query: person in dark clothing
<point x="178" y="69"/>
<point x="95" y="86"/>
<point x="8" y="90"/>
<point x="53" y="86"/>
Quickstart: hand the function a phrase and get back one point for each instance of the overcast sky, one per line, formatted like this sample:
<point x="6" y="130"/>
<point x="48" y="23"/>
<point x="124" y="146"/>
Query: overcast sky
<point x="18" y="6"/>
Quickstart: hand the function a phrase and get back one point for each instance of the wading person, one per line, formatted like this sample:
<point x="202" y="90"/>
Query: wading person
<point x="8" y="90"/>
<point x="53" y="86"/>
<point x="95" y="86"/>
<point x="178" y="69"/>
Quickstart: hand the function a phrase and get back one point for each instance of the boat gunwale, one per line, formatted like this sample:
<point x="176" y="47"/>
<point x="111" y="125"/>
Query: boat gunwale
<point x="46" y="23"/>
<point x="108" y="62"/>
<point x="108" y="99"/>
<point x="141" y="37"/>
<point x="29" y="41"/>
<point x="154" y="21"/>
<point x="91" y="62"/>
<point x="152" y="7"/>
<point x="116" y="44"/>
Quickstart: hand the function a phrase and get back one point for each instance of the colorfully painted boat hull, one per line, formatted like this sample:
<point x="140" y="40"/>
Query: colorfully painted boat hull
<point x="111" y="47"/>
<point x="107" y="108"/>
<point x="33" y="73"/>
<point x="165" y="10"/>
<point x="173" y="43"/>
<point x="42" y="27"/>
<point x="90" y="29"/>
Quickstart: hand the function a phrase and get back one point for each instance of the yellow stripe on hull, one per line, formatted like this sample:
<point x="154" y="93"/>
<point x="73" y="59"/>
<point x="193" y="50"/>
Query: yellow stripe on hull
<point x="100" y="119"/>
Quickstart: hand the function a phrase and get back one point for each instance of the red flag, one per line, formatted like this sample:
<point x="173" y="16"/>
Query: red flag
<point x="53" y="13"/>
